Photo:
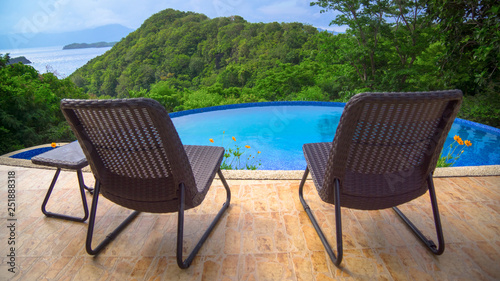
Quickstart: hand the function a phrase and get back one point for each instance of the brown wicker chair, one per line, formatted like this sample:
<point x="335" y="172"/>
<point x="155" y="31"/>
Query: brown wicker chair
<point x="383" y="154"/>
<point x="139" y="162"/>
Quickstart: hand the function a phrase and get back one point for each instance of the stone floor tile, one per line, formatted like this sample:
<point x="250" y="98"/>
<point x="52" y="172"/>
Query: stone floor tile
<point x="264" y="235"/>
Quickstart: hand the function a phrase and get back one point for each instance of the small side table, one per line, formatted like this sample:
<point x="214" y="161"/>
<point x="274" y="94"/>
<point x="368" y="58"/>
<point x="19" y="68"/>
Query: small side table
<point x="69" y="156"/>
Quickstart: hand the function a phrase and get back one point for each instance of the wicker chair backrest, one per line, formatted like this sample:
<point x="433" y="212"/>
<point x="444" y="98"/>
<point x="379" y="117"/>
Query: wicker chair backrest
<point x="387" y="144"/>
<point x="132" y="148"/>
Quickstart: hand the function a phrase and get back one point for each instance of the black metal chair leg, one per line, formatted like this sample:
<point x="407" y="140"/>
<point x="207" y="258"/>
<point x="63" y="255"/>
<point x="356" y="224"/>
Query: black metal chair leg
<point x="82" y="184"/>
<point x="110" y="237"/>
<point x="338" y="221"/>
<point x="437" y="250"/>
<point x="180" y="226"/>
<point x="82" y="193"/>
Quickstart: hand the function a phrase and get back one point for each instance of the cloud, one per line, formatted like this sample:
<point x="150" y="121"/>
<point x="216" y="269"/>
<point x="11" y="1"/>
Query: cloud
<point x="293" y="11"/>
<point x="65" y="15"/>
<point x="335" y="28"/>
<point x="284" y="8"/>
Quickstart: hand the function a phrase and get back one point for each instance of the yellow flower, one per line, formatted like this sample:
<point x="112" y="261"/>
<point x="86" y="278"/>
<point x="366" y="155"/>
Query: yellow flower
<point x="258" y="152"/>
<point x="234" y="138"/>
<point x="247" y="146"/>
<point x="468" y="143"/>
<point x="223" y="132"/>
<point x="53" y="145"/>
<point x="211" y="140"/>
<point x="458" y="139"/>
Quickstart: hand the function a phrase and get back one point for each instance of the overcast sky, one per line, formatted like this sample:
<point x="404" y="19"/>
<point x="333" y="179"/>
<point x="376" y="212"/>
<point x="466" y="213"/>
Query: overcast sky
<point x="53" y="16"/>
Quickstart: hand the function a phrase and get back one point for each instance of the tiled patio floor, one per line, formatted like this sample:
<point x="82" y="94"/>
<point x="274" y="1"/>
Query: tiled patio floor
<point x="265" y="235"/>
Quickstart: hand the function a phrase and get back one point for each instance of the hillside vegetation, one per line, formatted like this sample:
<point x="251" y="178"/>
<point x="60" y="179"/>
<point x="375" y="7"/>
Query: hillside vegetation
<point x="196" y="61"/>
<point x="29" y="106"/>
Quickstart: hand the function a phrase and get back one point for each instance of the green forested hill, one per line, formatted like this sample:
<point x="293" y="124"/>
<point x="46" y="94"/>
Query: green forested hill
<point x="225" y="58"/>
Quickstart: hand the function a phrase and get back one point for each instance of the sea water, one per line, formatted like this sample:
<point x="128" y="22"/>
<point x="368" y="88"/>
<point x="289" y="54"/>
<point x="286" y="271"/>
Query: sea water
<point x="55" y="59"/>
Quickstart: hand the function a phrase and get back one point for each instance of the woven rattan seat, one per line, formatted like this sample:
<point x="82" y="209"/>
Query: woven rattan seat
<point x="139" y="162"/>
<point x="383" y="154"/>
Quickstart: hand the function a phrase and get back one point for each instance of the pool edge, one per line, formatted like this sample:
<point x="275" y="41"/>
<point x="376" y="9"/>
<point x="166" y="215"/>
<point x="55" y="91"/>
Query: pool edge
<point x="469" y="171"/>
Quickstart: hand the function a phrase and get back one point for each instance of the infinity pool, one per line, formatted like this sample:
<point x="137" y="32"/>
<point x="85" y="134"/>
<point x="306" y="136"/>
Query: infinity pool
<point x="279" y="129"/>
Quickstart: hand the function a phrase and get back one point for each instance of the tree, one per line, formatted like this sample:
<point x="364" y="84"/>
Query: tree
<point x="385" y="38"/>
<point x="410" y="35"/>
<point x="470" y="30"/>
<point x="365" y="20"/>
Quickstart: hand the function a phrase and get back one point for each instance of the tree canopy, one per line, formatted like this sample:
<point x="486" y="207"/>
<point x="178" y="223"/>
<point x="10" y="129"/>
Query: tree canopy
<point x="425" y="45"/>
<point x="29" y="106"/>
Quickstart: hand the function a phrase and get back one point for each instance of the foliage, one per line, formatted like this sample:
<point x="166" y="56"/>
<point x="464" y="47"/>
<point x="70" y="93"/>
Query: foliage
<point x="482" y="108"/>
<point x="470" y="32"/>
<point x="421" y="45"/>
<point x="29" y="107"/>
<point x="383" y="41"/>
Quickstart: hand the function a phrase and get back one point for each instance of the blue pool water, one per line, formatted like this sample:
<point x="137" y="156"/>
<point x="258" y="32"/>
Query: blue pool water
<point x="31" y="153"/>
<point x="280" y="129"/>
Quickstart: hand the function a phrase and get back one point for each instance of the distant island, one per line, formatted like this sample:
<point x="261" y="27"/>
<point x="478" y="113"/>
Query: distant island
<point x="85" y="45"/>
<point x="108" y="33"/>
<point x="22" y="60"/>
